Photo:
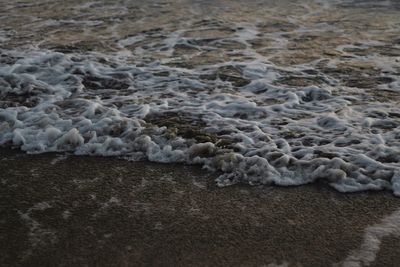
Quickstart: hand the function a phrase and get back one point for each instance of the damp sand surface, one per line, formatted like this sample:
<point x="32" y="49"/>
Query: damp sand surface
<point x="59" y="210"/>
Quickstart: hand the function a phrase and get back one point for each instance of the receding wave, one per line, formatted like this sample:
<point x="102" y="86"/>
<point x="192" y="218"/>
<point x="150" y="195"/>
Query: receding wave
<point x="285" y="103"/>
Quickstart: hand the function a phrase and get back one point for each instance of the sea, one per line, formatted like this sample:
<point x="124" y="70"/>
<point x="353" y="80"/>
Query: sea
<point x="260" y="92"/>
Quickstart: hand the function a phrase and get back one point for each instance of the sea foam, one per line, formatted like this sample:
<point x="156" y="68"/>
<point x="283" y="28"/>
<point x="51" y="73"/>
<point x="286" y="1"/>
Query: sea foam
<point x="80" y="105"/>
<point x="286" y="100"/>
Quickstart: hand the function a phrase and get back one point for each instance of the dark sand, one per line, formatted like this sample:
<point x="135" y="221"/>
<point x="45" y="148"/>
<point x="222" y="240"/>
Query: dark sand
<point x="93" y="211"/>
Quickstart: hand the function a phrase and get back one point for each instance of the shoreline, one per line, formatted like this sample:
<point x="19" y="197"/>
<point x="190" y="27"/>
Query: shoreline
<point x="111" y="212"/>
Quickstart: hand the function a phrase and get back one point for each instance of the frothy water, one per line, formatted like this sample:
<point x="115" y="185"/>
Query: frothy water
<point x="267" y="93"/>
<point x="372" y="240"/>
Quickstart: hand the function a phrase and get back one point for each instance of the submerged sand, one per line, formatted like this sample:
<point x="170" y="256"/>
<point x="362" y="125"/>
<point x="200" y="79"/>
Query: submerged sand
<point x="94" y="211"/>
<point x="266" y="92"/>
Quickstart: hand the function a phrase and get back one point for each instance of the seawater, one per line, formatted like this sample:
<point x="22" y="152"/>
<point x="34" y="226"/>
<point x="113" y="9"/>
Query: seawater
<point x="259" y="92"/>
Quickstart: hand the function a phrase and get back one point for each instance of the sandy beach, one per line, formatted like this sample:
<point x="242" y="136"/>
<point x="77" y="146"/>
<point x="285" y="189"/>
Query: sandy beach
<point x="93" y="211"/>
<point x="200" y="133"/>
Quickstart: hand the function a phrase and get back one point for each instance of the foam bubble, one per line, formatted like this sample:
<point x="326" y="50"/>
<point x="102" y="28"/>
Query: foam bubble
<point x="237" y="96"/>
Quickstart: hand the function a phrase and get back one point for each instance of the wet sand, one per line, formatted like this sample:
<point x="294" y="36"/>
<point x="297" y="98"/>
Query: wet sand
<point x="93" y="211"/>
<point x="58" y="210"/>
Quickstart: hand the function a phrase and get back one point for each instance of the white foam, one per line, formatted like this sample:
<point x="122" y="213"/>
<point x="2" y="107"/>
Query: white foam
<point x="118" y="103"/>
<point x="373" y="237"/>
<point x="131" y="40"/>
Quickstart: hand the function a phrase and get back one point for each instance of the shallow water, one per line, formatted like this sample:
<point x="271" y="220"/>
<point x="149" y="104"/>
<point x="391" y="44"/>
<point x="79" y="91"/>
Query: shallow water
<point x="267" y="92"/>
